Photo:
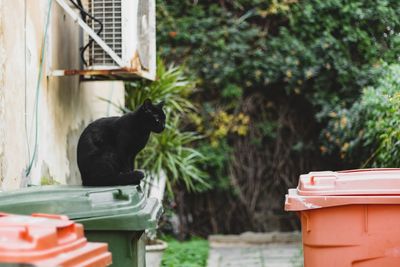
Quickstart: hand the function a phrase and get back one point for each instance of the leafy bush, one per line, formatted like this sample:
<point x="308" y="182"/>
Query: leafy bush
<point x="368" y="134"/>
<point x="290" y="66"/>
<point x="322" y="49"/>
<point x="322" y="52"/>
<point x="191" y="253"/>
<point x="216" y="163"/>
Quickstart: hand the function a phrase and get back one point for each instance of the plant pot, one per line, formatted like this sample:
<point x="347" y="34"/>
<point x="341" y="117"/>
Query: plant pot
<point x="154" y="253"/>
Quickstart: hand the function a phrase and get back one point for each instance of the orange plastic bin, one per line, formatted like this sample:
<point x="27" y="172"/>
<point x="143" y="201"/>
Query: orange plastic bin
<point x="349" y="218"/>
<point x="48" y="241"/>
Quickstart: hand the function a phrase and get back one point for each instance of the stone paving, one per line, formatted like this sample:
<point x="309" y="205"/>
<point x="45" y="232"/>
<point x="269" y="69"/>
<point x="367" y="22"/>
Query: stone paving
<point x="244" y="254"/>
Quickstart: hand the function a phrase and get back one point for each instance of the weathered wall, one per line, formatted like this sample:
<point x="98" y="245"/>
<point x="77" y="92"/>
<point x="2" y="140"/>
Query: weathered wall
<point x="65" y="105"/>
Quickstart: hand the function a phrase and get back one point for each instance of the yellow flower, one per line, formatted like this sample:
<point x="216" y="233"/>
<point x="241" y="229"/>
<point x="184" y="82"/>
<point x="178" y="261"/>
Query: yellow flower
<point x="343" y="122"/>
<point x="345" y="147"/>
<point x="196" y="119"/>
<point x="336" y="125"/>
<point x="246" y="120"/>
<point x="289" y="74"/>
<point x="332" y="114"/>
<point x="309" y="74"/>
<point x="242" y="130"/>
<point x="329" y="136"/>
<point x="214" y="143"/>
<point x="221" y="131"/>
<point x="263" y="13"/>
<point x="272" y="9"/>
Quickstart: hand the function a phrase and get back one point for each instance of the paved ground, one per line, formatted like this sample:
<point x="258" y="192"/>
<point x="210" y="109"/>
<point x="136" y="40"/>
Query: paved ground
<point x="271" y="253"/>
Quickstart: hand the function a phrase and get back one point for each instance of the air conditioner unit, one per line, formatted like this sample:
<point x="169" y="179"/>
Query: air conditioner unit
<point x="126" y="46"/>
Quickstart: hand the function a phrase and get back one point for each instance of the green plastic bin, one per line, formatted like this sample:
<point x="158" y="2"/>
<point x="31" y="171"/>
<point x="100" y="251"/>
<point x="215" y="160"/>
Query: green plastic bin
<point x="116" y="215"/>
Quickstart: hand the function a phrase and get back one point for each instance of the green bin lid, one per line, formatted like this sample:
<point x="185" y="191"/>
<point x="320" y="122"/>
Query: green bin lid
<point x="97" y="208"/>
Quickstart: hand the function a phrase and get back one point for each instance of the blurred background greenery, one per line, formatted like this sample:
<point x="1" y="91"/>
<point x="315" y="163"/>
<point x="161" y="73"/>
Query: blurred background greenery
<point x="258" y="92"/>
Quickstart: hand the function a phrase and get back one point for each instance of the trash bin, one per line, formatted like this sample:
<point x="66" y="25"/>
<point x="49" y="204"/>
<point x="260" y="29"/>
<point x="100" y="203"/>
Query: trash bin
<point x="48" y="241"/>
<point x="349" y="218"/>
<point x="116" y="215"/>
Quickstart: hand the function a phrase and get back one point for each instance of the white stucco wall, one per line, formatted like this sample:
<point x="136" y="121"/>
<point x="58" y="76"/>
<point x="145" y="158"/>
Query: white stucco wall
<point x="66" y="105"/>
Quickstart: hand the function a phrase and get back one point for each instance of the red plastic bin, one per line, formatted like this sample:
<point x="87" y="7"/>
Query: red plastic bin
<point x="349" y="218"/>
<point x="48" y="240"/>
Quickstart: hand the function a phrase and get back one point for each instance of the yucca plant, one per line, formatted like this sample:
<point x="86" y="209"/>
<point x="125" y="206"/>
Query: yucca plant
<point x="169" y="152"/>
<point x="171" y="86"/>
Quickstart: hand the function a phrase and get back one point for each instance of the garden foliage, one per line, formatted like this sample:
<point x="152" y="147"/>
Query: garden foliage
<point x="273" y="77"/>
<point x="368" y="133"/>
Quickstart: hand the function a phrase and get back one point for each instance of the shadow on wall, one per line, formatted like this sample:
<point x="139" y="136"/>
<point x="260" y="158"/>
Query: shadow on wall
<point x="74" y="177"/>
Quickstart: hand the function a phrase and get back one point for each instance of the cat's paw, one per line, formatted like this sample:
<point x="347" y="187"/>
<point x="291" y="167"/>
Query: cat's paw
<point x="130" y="178"/>
<point x="134" y="177"/>
<point x="138" y="174"/>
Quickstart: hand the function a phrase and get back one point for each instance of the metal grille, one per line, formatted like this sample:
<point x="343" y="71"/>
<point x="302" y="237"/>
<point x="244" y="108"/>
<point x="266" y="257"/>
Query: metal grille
<point x="110" y="14"/>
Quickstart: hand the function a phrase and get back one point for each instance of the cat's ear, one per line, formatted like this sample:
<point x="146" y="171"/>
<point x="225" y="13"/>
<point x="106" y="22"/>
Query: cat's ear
<point x="161" y="104"/>
<point x="147" y="104"/>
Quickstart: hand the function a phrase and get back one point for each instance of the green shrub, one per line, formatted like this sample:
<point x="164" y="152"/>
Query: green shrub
<point x="191" y="253"/>
<point x="322" y="52"/>
<point x="322" y="49"/>
<point x="216" y="162"/>
<point x="368" y="134"/>
<point x="292" y="66"/>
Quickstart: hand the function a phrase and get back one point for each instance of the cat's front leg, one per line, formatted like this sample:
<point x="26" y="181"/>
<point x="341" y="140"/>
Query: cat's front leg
<point x="127" y="166"/>
<point x="130" y="178"/>
<point x="137" y="174"/>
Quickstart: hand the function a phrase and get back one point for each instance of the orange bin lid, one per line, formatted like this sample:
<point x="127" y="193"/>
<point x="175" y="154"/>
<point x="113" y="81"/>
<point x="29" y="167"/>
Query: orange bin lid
<point x="48" y="240"/>
<point x="327" y="189"/>
<point x="351" y="182"/>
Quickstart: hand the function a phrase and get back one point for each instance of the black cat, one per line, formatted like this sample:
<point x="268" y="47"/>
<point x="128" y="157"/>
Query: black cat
<point x="108" y="146"/>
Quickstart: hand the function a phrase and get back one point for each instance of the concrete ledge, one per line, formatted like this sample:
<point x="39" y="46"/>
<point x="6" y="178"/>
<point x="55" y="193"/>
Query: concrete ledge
<point x="251" y="238"/>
